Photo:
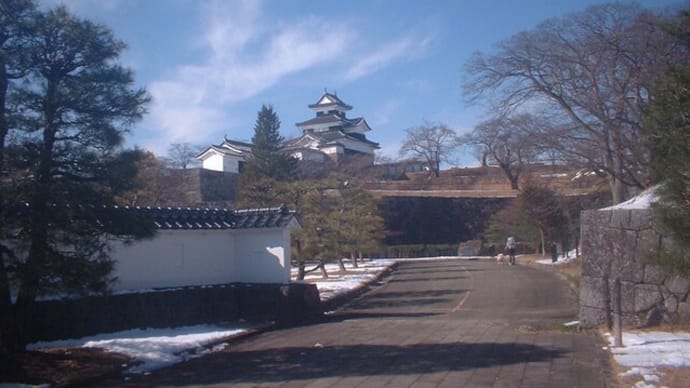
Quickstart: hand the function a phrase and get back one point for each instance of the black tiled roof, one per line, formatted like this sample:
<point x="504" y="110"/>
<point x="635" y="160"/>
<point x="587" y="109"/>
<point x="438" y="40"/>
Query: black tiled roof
<point x="198" y="218"/>
<point x="329" y="118"/>
<point x="330" y="137"/>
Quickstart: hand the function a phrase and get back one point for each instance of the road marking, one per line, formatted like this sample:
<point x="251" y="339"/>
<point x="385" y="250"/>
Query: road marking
<point x="467" y="294"/>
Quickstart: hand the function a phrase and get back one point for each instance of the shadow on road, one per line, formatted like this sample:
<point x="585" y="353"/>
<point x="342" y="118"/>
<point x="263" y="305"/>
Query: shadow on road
<point x="426" y="279"/>
<point x="339" y="317"/>
<point x="415" y="294"/>
<point x="296" y="363"/>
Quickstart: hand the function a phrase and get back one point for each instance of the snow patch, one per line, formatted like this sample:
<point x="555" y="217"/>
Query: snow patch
<point x="641" y="201"/>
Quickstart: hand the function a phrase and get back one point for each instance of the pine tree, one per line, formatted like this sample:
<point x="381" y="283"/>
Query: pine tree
<point x="72" y="107"/>
<point x="15" y="22"/>
<point x="359" y="225"/>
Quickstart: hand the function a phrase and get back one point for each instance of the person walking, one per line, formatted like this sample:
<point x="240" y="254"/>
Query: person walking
<point x="511" y="246"/>
<point x="554" y="252"/>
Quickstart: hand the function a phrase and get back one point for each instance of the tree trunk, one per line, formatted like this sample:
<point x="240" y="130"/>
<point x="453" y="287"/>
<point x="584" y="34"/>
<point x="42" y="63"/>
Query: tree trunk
<point x="514" y="183"/>
<point x="353" y="258"/>
<point x="300" y="270"/>
<point x="324" y="274"/>
<point x="341" y="264"/>
<point x="618" y="191"/>
<point x="9" y="329"/>
<point x="543" y="243"/>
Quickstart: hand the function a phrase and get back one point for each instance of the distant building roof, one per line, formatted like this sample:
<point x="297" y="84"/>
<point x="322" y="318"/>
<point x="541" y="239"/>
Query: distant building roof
<point x="228" y="147"/>
<point x="237" y="143"/>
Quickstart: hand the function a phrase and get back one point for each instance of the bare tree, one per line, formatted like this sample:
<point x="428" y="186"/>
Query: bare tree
<point x="591" y="72"/>
<point x="431" y="142"/>
<point x="155" y="185"/>
<point x="181" y="155"/>
<point x="507" y="142"/>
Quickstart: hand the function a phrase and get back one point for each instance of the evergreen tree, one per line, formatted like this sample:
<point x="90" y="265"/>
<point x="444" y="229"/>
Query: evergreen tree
<point x="268" y="165"/>
<point x="267" y="160"/>
<point x="15" y="25"/>
<point x="317" y="240"/>
<point x="668" y="134"/>
<point x="359" y="225"/>
<point x="71" y="109"/>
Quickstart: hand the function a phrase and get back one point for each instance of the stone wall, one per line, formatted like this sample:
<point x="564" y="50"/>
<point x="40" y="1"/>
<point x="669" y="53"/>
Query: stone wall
<point x="616" y="244"/>
<point x="199" y="187"/>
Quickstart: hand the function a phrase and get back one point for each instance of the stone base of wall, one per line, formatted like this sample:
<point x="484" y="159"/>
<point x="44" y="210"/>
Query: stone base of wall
<point x="617" y="244"/>
<point x="285" y="304"/>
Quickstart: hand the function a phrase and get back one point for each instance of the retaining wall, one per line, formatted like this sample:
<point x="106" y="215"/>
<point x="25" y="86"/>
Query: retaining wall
<point x="616" y="244"/>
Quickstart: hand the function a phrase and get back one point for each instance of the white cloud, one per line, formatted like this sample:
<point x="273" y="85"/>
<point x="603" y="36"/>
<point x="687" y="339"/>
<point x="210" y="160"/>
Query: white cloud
<point x="246" y="55"/>
<point x="380" y="57"/>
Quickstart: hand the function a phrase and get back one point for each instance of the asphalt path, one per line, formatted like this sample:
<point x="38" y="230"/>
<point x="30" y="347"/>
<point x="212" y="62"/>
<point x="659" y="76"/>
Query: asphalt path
<point x="442" y="323"/>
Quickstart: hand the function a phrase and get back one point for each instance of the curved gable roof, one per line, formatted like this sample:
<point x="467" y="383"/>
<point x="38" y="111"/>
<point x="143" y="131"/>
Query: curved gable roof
<point x="329" y="100"/>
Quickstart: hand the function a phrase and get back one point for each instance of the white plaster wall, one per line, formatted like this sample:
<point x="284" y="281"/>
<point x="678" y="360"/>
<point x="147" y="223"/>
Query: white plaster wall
<point x="176" y="258"/>
<point x="213" y="162"/>
<point x="218" y="162"/>
<point x="263" y="257"/>
<point x="332" y="150"/>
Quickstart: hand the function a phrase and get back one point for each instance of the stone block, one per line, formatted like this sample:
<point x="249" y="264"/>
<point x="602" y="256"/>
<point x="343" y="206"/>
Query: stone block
<point x="620" y="219"/>
<point x="595" y="265"/>
<point x="627" y="269"/>
<point x="594" y="218"/>
<point x="640" y="219"/>
<point x="653" y="274"/>
<point x="671" y="304"/>
<point x="591" y="317"/>
<point x="646" y="297"/>
<point x="684" y="313"/>
<point x="678" y="285"/>
<point x="591" y="292"/>
<point x="671" y="318"/>
<point x="648" y="244"/>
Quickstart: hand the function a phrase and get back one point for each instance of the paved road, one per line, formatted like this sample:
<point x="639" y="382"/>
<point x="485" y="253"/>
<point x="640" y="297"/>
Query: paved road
<point x="452" y="323"/>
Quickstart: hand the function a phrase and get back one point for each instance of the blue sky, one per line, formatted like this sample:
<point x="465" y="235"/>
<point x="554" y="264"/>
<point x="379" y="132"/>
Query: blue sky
<point x="210" y="65"/>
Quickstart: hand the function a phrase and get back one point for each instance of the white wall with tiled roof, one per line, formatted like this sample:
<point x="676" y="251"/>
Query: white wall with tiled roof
<point x="194" y="257"/>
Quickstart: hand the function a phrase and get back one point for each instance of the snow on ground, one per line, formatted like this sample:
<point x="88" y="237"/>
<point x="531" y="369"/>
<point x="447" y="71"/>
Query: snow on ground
<point x="645" y="352"/>
<point x="337" y="284"/>
<point x="153" y="348"/>
<point x="150" y="349"/>
<point x="561" y="259"/>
